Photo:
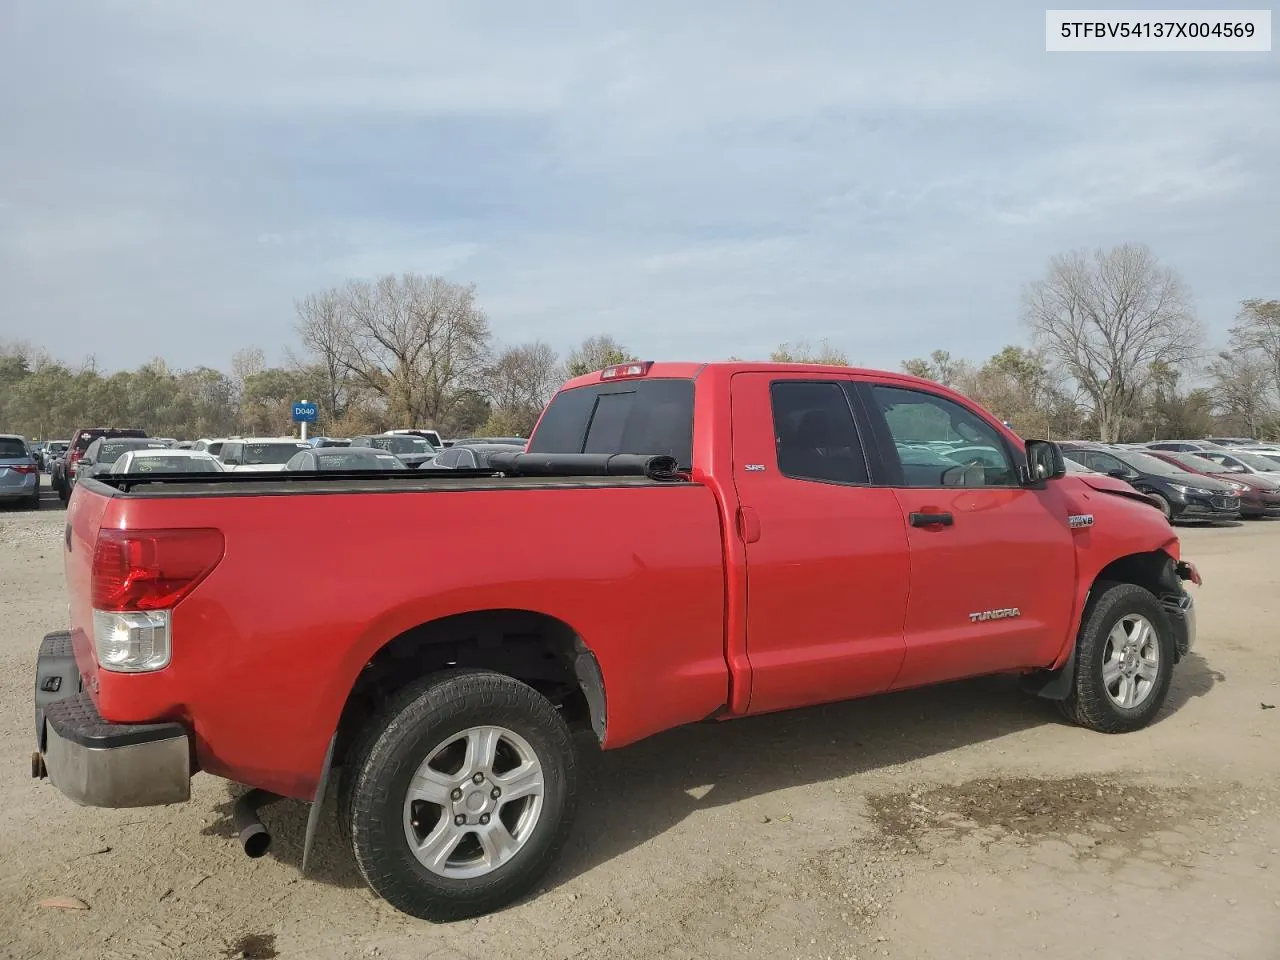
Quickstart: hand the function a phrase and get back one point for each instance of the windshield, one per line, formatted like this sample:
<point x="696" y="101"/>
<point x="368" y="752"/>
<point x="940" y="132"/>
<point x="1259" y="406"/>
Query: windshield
<point x="1145" y="463"/>
<point x="1198" y="464"/>
<point x="402" y="444"/>
<point x="1255" y="461"/>
<point x="357" y="460"/>
<point x="257" y="454"/>
<point x="113" y="450"/>
<point x="141" y="463"/>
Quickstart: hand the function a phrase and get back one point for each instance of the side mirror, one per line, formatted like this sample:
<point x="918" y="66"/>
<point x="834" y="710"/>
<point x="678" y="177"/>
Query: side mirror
<point x="231" y="462"/>
<point x="1044" y="461"/>
<point x="86" y="462"/>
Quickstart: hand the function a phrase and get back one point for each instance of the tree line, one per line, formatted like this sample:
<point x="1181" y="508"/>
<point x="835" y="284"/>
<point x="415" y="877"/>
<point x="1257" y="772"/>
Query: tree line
<point x="1114" y="351"/>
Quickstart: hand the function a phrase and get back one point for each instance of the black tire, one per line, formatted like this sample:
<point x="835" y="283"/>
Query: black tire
<point x="385" y="757"/>
<point x="33" y="501"/>
<point x="1089" y="704"/>
<point x="64" y="494"/>
<point x="1163" y="503"/>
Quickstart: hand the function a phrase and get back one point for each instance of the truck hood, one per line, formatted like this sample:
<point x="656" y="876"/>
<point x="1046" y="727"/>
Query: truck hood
<point x="1105" y="484"/>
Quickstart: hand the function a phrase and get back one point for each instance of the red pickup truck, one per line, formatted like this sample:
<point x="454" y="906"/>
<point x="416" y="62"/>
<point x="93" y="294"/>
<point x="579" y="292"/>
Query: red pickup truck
<point x="678" y="542"/>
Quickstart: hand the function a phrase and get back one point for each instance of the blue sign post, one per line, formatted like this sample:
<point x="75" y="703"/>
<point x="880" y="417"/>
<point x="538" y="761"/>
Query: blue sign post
<point x="304" y="413"/>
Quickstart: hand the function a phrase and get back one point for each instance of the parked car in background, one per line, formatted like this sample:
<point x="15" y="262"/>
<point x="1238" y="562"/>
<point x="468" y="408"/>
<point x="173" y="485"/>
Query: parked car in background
<point x="101" y="455"/>
<point x="344" y="459"/>
<point x="328" y="442"/>
<point x="260" y="453"/>
<point x="54" y="450"/>
<point x="469" y="456"/>
<point x="1259" y="495"/>
<point x="1182" y="446"/>
<point x="1241" y="461"/>
<point x="1232" y="441"/>
<point x="19" y="472"/>
<point x="412" y="449"/>
<point x="211" y="447"/>
<point x="1075" y="466"/>
<point x="166" y="461"/>
<point x="1180" y="494"/>
<point x="64" y="479"/>
<point x="431" y="436"/>
<point x="509" y="441"/>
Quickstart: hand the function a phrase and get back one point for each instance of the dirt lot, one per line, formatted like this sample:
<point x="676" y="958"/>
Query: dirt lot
<point x="958" y="822"/>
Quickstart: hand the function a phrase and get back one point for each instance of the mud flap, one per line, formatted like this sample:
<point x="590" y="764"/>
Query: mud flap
<point x="313" y="817"/>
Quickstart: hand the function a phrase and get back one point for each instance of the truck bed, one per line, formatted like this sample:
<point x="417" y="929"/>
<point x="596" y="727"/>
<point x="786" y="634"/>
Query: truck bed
<point x="146" y="486"/>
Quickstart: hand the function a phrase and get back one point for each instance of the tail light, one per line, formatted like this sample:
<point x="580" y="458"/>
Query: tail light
<point x="24" y="468"/>
<point x="151" y="569"/>
<point x="75" y="455"/>
<point x="137" y="577"/>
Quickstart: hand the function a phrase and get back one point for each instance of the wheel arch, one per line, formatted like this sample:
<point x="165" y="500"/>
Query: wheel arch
<point x="534" y="647"/>
<point x="1153" y="570"/>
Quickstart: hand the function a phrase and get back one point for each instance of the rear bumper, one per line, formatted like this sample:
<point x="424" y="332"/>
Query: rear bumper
<point x="21" y="491"/>
<point x="94" y="762"/>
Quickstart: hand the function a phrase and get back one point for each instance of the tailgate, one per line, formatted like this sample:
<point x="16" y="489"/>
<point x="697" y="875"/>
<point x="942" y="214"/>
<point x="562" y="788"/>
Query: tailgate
<point x="84" y="518"/>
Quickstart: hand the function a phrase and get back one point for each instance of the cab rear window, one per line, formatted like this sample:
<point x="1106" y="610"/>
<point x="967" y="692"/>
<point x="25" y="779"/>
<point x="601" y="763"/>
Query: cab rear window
<point x="647" y="417"/>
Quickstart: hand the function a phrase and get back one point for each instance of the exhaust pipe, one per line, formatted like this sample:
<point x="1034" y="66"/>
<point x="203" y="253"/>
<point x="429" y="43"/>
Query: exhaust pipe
<point x="249" y="828"/>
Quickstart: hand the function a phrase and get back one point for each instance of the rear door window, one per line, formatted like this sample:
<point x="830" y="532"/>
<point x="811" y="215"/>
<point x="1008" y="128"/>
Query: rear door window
<point x="815" y="434"/>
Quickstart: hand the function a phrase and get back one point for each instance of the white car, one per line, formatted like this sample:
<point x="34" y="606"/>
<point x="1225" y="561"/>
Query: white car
<point x="211" y="447"/>
<point x="258" y="454"/>
<point x="166" y="461"/>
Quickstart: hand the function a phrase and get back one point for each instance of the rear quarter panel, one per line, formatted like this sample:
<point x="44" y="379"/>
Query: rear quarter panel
<point x="267" y="648"/>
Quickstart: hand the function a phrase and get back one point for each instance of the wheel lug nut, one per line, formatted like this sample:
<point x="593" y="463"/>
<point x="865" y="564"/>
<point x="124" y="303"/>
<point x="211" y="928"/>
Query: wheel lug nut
<point x="478" y="778"/>
<point x="484" y="818"/>
<point x="496" y="793"/>
<point x="459" y="820"/>
<point x="456" y="795"/>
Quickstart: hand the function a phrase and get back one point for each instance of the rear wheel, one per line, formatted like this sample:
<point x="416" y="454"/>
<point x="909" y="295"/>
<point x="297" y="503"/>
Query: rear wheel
<point x="33" y="501"/>
<point x="460" y="796"/>
<point x="1124" y="660"/>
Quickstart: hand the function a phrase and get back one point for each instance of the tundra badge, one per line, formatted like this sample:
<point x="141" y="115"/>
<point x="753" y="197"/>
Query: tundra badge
<point x="1004" y="613"/>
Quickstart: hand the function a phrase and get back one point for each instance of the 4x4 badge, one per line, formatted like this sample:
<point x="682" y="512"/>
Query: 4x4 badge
<point x="1077" y="520"/>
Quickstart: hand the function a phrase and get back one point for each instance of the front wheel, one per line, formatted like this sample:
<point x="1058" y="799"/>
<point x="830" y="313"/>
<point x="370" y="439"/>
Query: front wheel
<point x="1124" y="660"/>
<point x="1163" y="503"/>
<point x="461" y="795"/>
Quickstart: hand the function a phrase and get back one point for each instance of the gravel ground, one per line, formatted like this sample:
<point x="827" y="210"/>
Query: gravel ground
<point x="959" y="822"/>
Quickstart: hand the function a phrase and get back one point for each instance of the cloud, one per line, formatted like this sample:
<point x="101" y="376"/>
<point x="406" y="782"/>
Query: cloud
<point x="697" y="180"/>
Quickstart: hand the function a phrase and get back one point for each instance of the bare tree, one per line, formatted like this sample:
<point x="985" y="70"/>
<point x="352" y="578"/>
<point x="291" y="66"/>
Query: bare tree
<point x="596" y="353"/>
<point x="520" y="382"/>
<point x="1243" y="388"/>
<point x="1257" y="332"/>
<point x="802" y="351"/>
<point x="415" y="341"/>
<point x="324" y="333"/>
<point x="1106" y="318"/>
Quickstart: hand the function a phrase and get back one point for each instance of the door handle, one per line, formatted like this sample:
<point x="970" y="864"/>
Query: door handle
<point x="931" y="519"/>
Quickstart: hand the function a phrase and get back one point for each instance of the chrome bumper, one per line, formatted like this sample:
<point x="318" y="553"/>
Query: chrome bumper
<point x="97" y="763"/>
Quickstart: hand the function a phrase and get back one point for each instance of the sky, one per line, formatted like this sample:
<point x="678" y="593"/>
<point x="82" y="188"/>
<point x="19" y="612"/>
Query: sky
<point x="697" y="179"/>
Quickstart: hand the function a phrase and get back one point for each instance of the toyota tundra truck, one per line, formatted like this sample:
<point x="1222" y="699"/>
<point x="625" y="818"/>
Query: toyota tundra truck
<point x="677" y="542"/>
